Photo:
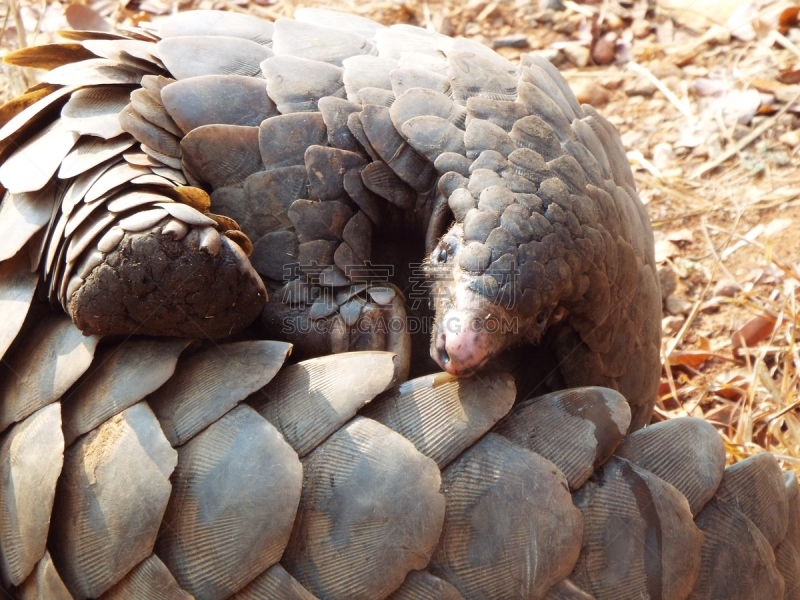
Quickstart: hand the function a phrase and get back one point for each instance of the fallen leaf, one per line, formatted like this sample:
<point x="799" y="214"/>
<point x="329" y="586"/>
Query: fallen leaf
<point x="790" y="76"/>
<point x="83" y="17"/>
<point x="689" y="358"/>
<point x="754" y="331"/>
<point x="782" y="92"/>
<point x="788" y="18"/>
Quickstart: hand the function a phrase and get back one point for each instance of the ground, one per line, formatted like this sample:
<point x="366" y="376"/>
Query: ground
<point x="704" y="93"/>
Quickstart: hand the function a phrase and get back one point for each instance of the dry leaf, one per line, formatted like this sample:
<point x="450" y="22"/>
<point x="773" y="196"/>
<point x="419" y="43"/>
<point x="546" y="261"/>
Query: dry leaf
<point x="754" y="331"/>
<point x="689" y="358"/>
<point x="83" y="17"/>
<point x="788" y="18"/>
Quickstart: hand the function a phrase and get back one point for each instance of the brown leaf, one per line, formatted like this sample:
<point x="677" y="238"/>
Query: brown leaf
<point x="789" y="76"/>
<point x="689" y="358"/>
<point x="754" y="331"/>
<point x="224" y="223"/>
<point x="11" y="109"/>
<point x="788" y="18"/>
<point x="782" y="92"/>
<point x="83" y="18"/>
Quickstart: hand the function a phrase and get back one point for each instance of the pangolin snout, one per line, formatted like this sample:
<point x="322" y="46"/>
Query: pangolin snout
<point x="463" y="342"/>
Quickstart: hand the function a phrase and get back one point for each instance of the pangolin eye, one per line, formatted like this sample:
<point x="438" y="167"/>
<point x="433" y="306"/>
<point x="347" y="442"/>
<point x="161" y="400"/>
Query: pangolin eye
<point x="446" y="249"/>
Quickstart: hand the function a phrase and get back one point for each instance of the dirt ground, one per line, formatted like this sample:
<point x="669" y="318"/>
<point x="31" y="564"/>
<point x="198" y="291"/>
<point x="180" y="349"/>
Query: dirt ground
<point x="705" y="95"/>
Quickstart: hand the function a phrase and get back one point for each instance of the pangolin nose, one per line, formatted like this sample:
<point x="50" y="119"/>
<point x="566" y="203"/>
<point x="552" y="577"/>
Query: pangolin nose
<point x="439" y="351"/>
<point x="459" y="349"/>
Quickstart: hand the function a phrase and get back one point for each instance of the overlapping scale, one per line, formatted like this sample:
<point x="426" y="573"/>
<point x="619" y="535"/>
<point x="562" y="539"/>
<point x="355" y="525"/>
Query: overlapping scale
<point x="209" y="383"/>
<point x="309" y="401"/>
<point x="188" y="56"/>
<point x="576" y="429"/>
<point x="442" y="415"/>
<point x="755" y="486"/>
<point x="44" y="582"/>
<point x="239" y="465"/>
<point x="737" y="560"/>
<point x="103" y="523"/>
<point x="149" y="579"/>
<point x="502" y="503"/>
<point x="17" y="285"/>
<point x="120" y="376"/>
<point x="42" y="366"/>
<point x="31" y="166"/>
<point x="274" y="583"/>
<point x="216" y="23"/>
<point x="190" y="102"/>
<point x="421" y="585"/>
<point x="566" y="590"/>
<point x="371" y="511"/>
<point x="31" y="455"/>
<point x="787" y="560"/>
<point x="686" y="452"/>
<point x="638" y="536"/>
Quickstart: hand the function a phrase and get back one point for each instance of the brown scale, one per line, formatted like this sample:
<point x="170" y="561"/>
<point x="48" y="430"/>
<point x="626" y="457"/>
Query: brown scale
<point x="756" y="487"/>
<point x="421" y="585"/>
<point x="685" y="452"/>
<point x="275" y="583"/>
<point x="489" y="476"/>
<point x="149" y="579"/>
<point x="577" y="430"/>
<point x="638" y="537"/>
<point x="787" y="560"/>
<point x="337" y="524"/>
<point x="233" y="446"/>
<point x="737" y="560"/>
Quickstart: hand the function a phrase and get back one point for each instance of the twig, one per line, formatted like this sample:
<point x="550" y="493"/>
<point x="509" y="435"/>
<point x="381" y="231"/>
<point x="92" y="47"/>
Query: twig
<point x="22" y="39"/>
<point x="696" y="308"/>
<point x="714" y="252"/>
<point x="644" y="72"/>
<point x="785" y="42"/>
<point x="745" y="141"/>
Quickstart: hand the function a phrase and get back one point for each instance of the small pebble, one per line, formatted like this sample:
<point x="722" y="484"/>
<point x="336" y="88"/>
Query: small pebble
<point x="551" y="5"/>
<point x="511" y="41"/>
<point x="641" y="87"/>
<point x="588" y="91"/>
<point x="577" y="55"/>
<point x="545" y="15"/>
<point x="727" y="288"/>
<point x="605" y="49"/>
<point x="443" y="25"/>
<point x="472" y="29"/>
<point x="791" y="138"/>
<point x="641" y="28"/>
<point x="552" y="55"/>
<point x="663" y="156"/>
<point x="677" y="306"/>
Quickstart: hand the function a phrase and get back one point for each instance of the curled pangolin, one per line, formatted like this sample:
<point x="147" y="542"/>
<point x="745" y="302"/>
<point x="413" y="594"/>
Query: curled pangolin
<point x="215" y="176"/>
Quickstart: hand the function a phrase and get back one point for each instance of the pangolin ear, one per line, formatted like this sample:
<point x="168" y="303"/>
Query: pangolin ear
<point x="440" y="220"/>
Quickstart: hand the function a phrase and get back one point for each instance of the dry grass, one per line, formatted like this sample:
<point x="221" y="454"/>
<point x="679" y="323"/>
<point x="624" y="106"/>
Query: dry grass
<point x="710" y="125"/>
